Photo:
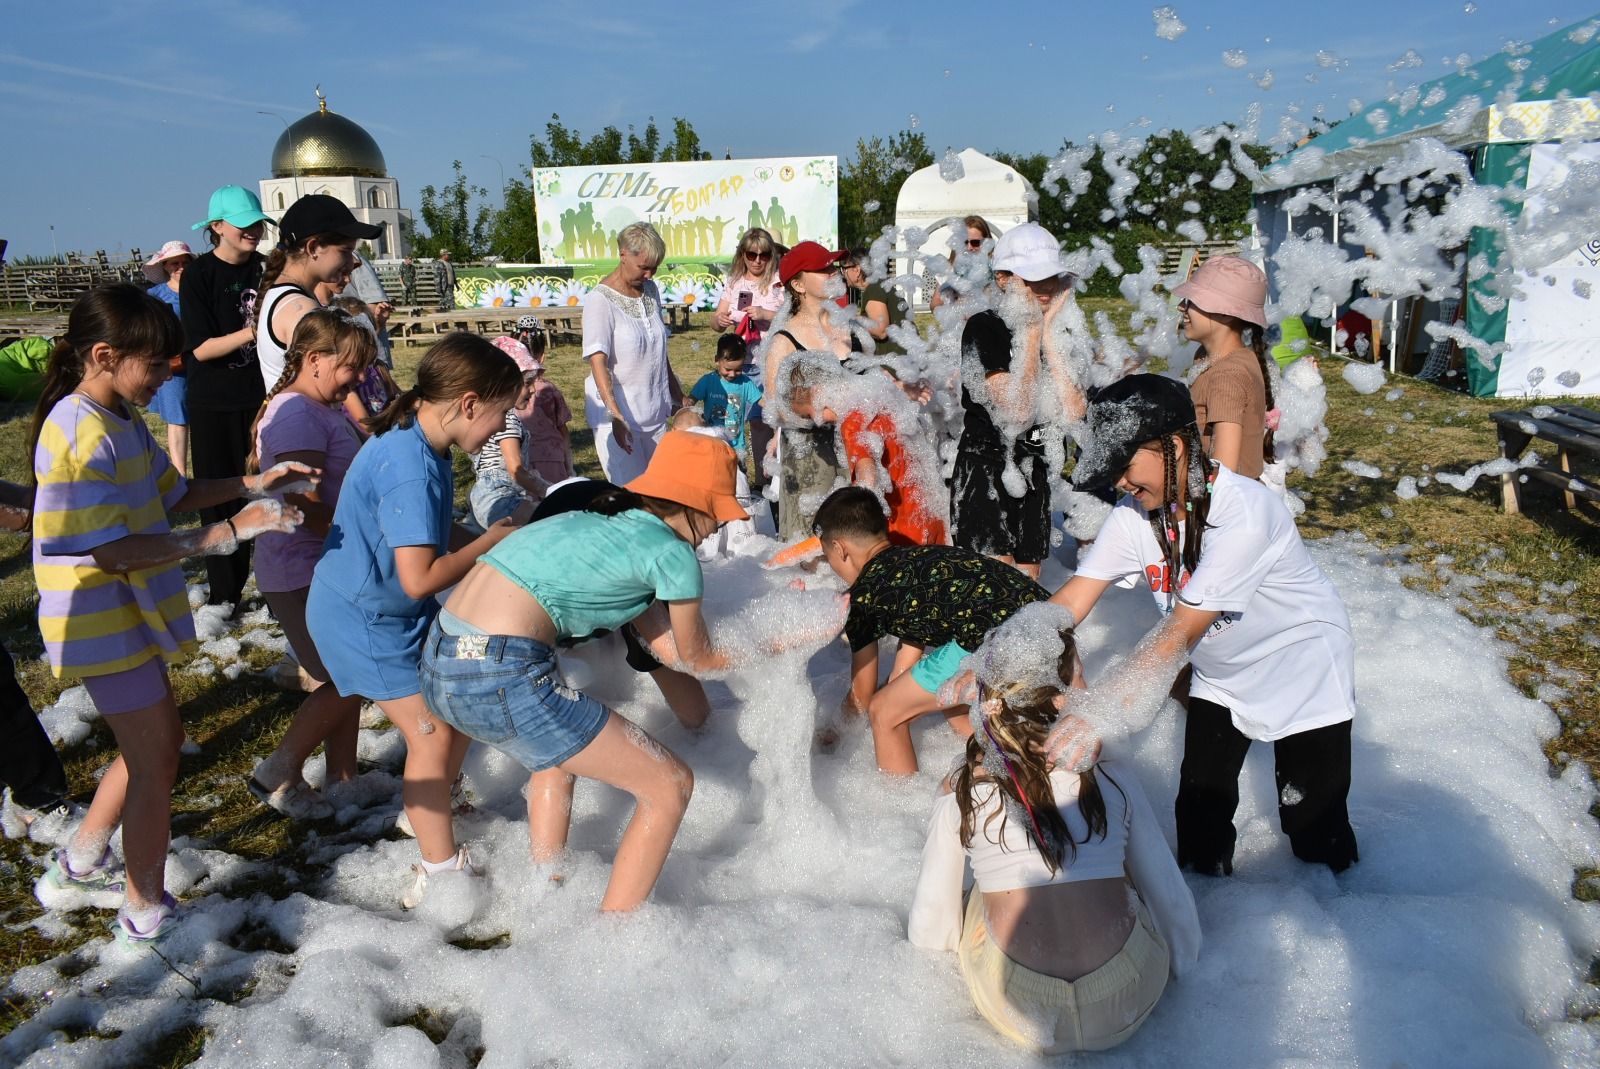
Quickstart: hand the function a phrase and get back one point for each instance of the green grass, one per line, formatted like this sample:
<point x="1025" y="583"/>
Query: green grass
<point x="237" y="721"/>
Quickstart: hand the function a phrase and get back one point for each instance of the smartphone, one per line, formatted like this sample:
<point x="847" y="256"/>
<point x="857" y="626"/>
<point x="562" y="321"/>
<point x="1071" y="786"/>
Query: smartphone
<point x="745" y="297"/>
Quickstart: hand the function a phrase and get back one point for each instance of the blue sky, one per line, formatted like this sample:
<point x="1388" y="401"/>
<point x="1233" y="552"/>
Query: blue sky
<point x="120" y="119"/>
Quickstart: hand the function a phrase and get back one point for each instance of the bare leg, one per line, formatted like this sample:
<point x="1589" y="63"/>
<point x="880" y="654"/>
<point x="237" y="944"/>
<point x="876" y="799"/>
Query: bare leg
<point x="432" y="761"/>
<point x="138" y="787"/>
<point x="549" y="813"/>
<point x="624" y="756"/>
<point x="324" y="717"/>
<point x="178" y="447"/>
<point x="890" y="713"/>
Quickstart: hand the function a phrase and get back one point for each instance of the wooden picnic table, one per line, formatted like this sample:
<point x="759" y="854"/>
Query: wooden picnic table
<point x="1570" y="428"/>
<point x="35" y="326"/>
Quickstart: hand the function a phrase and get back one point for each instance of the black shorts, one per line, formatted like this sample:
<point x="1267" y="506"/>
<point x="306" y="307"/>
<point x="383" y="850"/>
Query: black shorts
<point x="986" y="519"/>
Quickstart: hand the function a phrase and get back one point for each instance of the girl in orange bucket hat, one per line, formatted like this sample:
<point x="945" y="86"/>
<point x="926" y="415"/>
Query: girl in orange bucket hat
<point x="489" y="665"/>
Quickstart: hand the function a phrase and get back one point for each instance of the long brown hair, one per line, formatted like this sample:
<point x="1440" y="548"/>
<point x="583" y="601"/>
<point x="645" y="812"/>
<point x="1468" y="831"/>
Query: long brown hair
<point x="1007" y="752"/>
<point x="457" y="364"/>
<point x="321" y="330"/>
<point x="1255" y="339"/>
<point x="125" y="317"/>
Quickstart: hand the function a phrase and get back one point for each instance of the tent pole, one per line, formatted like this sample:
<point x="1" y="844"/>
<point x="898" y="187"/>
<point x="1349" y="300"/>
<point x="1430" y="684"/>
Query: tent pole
<point x="1333" y="331"/>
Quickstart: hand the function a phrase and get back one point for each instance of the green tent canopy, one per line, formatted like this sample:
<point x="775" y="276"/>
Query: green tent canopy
<point x="1551" y="334"/>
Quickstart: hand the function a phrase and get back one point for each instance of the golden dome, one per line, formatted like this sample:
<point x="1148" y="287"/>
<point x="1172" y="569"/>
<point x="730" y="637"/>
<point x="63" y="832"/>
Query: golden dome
<point x="324" y="143"/>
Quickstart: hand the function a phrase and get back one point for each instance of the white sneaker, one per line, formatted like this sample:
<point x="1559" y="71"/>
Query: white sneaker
<point x="419" y="884"/>
<point x="103" y="887"/>
<point x="136" y="937"/>
<point x="297" y="800"/>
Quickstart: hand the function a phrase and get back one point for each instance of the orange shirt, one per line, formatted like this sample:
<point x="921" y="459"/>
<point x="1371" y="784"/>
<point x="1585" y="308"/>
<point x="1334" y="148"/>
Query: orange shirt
<point x="910" y="520"/>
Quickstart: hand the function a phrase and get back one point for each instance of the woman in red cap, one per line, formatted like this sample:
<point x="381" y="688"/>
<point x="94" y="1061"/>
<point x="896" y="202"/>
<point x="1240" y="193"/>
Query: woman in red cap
<point x="489" y="665"/>
<point x="1223" y="308"/>
<point x="809" y="463"/>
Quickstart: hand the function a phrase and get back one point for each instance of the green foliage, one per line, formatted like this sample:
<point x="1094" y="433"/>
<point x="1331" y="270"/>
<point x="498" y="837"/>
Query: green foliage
<point x="450" y="220"/>
<point x="873" y="176"/>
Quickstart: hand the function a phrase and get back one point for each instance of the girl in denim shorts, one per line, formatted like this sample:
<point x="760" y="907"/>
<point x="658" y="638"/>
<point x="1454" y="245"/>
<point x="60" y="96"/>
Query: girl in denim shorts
<point x="489" y="664"/>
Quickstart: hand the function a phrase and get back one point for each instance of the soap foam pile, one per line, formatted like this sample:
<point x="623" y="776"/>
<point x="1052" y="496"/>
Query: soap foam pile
<point x="777" y="933"/>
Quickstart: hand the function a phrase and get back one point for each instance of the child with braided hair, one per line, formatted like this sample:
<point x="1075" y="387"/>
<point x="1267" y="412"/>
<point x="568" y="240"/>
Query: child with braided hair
<point x="304" y="420"/>
<point x="1265" y="631"/>
<point x="1057" y="954"/>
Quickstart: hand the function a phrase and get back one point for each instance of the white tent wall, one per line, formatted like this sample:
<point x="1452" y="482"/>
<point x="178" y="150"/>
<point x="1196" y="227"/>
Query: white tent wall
<point x="929" y="202"/>
<point x="1553" y="327"/>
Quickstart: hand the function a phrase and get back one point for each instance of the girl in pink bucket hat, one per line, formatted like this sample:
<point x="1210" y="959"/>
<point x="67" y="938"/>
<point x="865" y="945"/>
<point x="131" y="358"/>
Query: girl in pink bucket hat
<point x="1223" y="309"/>
<point x="166" y="269"/>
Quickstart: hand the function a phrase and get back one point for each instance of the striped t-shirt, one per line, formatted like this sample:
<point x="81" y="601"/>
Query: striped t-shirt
<point x="102" y="477"/>
<point x="491" y="456"/>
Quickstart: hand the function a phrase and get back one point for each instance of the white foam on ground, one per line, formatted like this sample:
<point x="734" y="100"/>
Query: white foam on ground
<point x="777" y="932"/>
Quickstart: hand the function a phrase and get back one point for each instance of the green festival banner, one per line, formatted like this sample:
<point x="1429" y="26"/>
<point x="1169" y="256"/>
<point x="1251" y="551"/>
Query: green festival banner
<point x="701" y="208"/>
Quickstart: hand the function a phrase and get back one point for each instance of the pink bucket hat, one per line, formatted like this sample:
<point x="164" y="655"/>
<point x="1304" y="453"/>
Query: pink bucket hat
<point x="1230" y="286"/>
<point x="153" y="268"/>
<point x="519" y="352"/>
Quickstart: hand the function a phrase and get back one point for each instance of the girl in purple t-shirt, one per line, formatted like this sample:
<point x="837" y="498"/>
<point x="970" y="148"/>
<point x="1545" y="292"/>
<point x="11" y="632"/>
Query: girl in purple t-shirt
<point x="305" y="421"/>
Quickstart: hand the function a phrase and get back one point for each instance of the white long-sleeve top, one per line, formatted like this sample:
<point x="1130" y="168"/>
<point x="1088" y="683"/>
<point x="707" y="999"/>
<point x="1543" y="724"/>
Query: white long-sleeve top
<point x="1013" y="862"/>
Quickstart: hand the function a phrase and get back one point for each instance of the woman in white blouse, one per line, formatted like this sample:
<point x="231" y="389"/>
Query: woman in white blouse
<point x="631" y="390"/>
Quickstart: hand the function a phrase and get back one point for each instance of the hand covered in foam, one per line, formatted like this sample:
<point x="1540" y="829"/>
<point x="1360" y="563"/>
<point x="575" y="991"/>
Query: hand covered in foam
<point x="290" y="477"/>
<point x="268" y="515"/>
<point x="1073" y="745"/>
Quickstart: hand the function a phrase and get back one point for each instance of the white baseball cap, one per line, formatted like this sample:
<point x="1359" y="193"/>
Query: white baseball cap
<point x="1028" y="251"/>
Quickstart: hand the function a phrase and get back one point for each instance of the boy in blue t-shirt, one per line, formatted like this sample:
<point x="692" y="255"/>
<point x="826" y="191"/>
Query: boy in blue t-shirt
<point x="728" y="394"/>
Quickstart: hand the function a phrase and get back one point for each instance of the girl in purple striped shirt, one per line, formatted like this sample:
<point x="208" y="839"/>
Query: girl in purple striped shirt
<point x="113" y="605"/>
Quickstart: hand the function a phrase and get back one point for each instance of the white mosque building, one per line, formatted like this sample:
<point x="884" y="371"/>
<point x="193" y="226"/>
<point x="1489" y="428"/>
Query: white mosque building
<point x="327" y="153"/>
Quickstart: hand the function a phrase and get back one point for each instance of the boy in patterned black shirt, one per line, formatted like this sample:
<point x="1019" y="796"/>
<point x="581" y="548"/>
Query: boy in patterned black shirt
<point x="939" y="601"/>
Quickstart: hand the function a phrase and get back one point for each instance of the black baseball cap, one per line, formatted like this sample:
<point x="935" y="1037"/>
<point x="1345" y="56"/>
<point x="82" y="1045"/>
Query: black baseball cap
<point x="1125" y="415"/>
<point x="318" y="213"/>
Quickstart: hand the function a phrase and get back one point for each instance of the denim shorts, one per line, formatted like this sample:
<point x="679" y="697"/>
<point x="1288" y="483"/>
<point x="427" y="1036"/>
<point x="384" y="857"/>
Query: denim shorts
<point x="495" y="496"/>
<point x="505" y="690"/>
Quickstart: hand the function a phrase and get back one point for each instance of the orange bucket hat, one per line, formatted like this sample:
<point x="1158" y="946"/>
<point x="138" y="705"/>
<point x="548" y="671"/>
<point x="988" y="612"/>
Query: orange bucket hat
<point x="695" y="471"/>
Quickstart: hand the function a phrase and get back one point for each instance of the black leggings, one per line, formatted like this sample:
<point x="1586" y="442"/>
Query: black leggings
<point x="220" y="443"/>
<point x="1313" y="776"/>
<point x="28" y="762"/>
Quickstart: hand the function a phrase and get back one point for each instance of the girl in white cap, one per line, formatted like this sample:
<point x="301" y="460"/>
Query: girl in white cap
<point x="1000" y="486"/>
<point x="166" y="269"/>
<point x="1223" y="309"/>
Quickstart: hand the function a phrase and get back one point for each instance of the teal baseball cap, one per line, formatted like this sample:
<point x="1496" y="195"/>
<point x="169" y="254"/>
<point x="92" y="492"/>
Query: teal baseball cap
<point x="233" y="204"/>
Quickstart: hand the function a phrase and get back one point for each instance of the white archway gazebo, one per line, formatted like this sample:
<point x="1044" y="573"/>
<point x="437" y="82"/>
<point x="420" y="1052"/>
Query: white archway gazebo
<point x="929" y="201"/>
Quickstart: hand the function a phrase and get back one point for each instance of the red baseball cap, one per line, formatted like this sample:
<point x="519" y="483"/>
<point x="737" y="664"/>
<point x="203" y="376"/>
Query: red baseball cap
<point x="806" y="256"/>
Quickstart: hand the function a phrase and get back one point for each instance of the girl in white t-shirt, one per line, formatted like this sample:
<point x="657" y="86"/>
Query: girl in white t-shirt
<point x="1269" y="639"/>
<point x="1057" y="954"/>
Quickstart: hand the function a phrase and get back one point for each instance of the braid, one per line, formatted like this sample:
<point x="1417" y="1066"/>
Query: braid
<point x="293" y="360"/>
<point x="1199" y="508"/>
<point x="1159" y="518"/>
<point x="1258" y="345"/>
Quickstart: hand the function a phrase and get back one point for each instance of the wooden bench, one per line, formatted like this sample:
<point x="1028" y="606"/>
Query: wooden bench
<point x="1571" y="429"/>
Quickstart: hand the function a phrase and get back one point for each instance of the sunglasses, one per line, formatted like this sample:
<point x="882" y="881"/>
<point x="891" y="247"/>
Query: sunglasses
<point x="751" y="254"/>
<point x="974" y="244"/>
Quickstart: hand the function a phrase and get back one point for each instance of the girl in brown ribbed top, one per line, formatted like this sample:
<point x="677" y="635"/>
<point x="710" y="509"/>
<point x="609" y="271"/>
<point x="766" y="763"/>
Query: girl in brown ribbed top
<point x="1222" y="303"/>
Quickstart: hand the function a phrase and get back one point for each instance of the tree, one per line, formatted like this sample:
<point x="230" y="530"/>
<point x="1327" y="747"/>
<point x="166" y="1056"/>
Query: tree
<point x="870" y="181"/>
<point x="451" y="223"/>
